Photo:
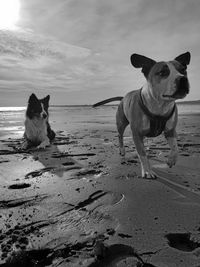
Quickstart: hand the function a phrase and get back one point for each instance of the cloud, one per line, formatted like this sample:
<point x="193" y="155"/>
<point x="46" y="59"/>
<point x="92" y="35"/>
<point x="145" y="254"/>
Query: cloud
<point x="74" y="47"/>
<point x="36" y="59"/>
<point x="31" y="62"/>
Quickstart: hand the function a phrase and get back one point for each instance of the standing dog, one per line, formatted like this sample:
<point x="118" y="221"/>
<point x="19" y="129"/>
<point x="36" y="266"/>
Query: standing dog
<point x="37" y="129"/>
<point x="152" y="109"/>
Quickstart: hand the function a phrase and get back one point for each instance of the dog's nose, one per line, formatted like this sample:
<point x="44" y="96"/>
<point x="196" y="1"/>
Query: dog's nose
<point x="182" y="85"/>
<point x="44" y="115"/>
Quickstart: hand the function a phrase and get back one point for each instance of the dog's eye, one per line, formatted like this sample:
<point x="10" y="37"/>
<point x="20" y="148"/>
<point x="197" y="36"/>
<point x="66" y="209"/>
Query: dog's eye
<point x="163" y="73"/>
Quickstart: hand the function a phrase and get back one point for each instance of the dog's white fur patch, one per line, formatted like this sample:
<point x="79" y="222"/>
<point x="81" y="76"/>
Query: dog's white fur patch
<point x="36" y="129"/>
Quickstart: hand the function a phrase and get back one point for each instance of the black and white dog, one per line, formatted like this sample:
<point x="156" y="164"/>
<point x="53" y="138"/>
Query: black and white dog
<point x="38" y="132"/>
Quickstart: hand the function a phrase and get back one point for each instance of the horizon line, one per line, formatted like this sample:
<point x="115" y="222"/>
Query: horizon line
<point x="81" y="105"/>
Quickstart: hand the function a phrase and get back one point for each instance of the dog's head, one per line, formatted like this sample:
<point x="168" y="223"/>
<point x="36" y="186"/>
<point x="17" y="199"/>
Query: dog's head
<point x="168" y="80"/>
<point x="37" y="108"/>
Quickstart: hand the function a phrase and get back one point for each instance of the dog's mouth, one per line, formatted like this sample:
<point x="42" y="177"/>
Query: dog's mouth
<point x="182" y="88"/>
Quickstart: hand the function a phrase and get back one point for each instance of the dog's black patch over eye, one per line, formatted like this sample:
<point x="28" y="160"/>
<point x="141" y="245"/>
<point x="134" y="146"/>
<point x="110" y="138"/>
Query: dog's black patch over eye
<point x="34" y="109"/>
<point x="164" y="72"/>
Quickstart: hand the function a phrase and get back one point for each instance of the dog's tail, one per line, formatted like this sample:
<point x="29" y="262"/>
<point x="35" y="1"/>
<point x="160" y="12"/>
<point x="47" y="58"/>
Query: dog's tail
<point x="117" y="98"/>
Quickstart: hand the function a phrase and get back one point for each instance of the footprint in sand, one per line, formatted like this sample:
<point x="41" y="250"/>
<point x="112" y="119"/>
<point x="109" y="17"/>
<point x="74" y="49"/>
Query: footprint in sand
<point x="65" y="155"/>
<point x="182" y="241"/>
<point x="52" y="170"/>
<point x="95" y="200"/>
<point x="68" y="163"/>
<point x="108" y="256"/>
<point x="34" y="200"/>
<point x="38" y="172"/>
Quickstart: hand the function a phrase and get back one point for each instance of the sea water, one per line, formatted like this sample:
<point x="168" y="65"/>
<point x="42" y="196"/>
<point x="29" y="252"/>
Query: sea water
<point x="12" y="118"/>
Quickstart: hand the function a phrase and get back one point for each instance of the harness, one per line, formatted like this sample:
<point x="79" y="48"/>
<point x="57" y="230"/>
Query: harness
<point x="157" y="123"/>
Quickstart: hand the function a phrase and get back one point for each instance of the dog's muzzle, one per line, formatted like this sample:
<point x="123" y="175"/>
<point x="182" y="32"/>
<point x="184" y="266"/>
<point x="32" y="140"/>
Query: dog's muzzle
<point x="182" y="88"/>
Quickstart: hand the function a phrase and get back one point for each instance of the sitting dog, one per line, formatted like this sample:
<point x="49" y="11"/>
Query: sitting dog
<point x="37" y="128"/>
<point x="151" y="110"/>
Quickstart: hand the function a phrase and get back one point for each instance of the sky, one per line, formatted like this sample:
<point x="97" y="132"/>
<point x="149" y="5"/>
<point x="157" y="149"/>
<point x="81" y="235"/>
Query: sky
<point x="78" y="51"/>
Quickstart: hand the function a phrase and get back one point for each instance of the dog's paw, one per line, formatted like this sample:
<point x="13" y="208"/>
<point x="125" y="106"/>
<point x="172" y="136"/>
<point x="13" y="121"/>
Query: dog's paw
<point x="43" y="145"/>
<point x="172" y="159"/>
<point x="122" y="152"/>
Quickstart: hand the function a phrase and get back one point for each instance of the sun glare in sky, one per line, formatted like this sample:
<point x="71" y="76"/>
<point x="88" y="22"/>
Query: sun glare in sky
<point x="9" y="14"/>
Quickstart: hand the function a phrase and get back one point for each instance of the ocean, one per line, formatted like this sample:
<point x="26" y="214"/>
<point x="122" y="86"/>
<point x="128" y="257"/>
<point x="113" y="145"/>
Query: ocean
<point x="12" y="118"/>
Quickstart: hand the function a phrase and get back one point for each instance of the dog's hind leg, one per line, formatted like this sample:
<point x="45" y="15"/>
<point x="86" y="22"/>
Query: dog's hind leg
<point x="122" y="123"/>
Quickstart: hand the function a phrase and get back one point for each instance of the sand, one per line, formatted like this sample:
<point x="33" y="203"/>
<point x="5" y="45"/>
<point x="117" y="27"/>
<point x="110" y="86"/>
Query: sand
<point x="75" y="204"/>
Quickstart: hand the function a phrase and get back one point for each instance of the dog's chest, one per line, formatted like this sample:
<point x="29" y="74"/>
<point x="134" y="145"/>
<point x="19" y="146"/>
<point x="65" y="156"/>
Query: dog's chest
<point x="36" y="129"/>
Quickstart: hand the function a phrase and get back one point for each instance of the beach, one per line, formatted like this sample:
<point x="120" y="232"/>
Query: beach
<point x="75" y="204"/>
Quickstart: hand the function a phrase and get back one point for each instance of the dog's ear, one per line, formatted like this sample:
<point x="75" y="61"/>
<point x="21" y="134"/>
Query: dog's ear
<point x="45" y="100"/>
<point x="184" y="59"/>
<point x="139" y="61"/>
<point x="33" y="98"/>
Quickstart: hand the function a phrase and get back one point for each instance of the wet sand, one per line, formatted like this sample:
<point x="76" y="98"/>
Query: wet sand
<point x="75" y="204"/>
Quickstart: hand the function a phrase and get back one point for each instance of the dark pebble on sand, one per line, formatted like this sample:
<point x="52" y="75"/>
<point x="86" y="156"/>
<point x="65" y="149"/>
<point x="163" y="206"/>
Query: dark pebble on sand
<point x="23" y="240"/>
<point x="2" y="236"/>
<point x="124" y="235"/>
<point x="19" y="186"/>
<point x="110" y="231"/>
<point x="132" y="161"/>
<point x="9" y="241"/>
<point x="22" y="246"/>
<point x="185" y="154"/>
<point x="9" y="232"/>
<point x="4" y="255"/>
<point x="14" y="237"/>
<point x="68" y="163"/>
<point x="17" y="227"/>
<point x="17" y="245"/>
<point x="16" y="232"/>
<point x="5" y="247"/>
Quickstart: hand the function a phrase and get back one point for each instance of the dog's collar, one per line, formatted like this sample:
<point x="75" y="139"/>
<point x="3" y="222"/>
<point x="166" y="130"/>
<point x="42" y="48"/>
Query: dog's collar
<point x="157" y="122"/>
<point x="150" y="114"/>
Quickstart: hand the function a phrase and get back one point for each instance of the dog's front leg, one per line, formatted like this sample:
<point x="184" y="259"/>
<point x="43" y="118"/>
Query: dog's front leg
<point x="145" y="165"/>
<point x="44" y="144"/>
<point x="171" y="137"/>
<point x="173" y="155"/>
<point x="26" y="143"/>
